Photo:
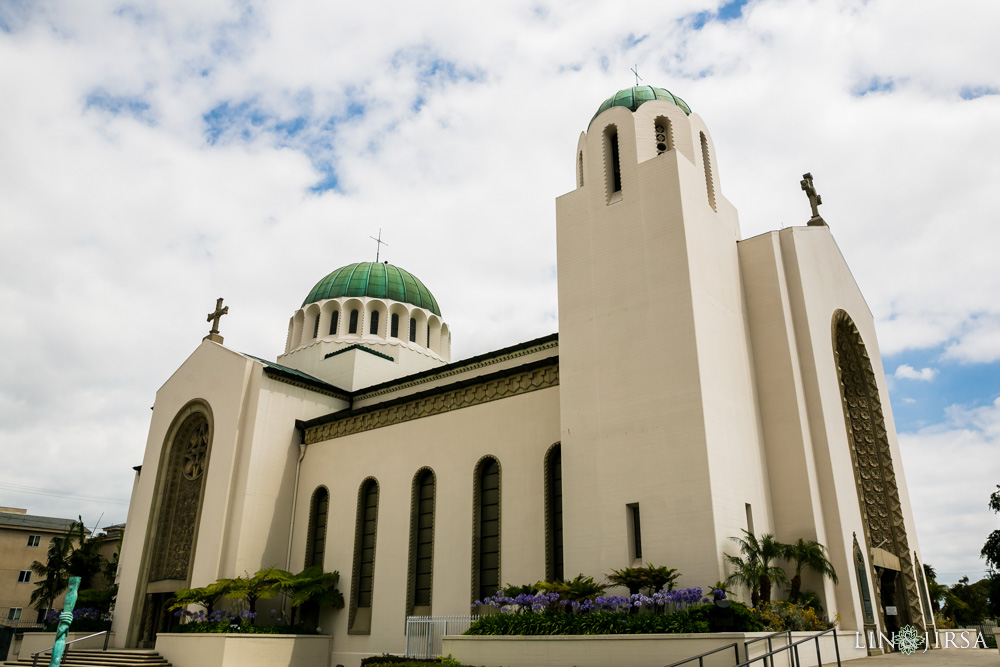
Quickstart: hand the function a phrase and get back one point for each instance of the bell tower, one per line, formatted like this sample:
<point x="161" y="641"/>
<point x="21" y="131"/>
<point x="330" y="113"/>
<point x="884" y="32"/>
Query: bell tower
<point x="656" y="377"/>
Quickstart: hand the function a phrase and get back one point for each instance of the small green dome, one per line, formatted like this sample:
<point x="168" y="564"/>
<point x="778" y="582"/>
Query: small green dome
<point x="382" y="281"/>
<point x="631" y="98"/>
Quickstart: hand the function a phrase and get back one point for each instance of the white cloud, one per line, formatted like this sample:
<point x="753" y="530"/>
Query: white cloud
<point x="907" y="372"/>
<point x="121" y="227"/>
<point x="953" y="520"/>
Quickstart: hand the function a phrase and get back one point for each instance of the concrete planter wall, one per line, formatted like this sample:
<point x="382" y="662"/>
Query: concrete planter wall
<point x="237" y="650"/>
<point x="632" y="650"/>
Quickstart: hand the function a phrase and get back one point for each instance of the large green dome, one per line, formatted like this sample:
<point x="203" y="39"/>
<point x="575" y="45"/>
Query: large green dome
<point x="382" y="281"/>
<point x="631" y="98"/>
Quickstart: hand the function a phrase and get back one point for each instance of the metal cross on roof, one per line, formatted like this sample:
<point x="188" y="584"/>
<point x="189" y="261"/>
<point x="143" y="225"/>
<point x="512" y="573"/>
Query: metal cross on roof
<point x="814" y="200"/>
<point x="635" y="70"/>
<point x="214" y="318"/>
<point x="378" y="243"/>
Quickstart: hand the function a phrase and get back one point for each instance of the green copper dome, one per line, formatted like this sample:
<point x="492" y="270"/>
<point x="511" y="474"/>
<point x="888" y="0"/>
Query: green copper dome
<point x="382" y="281"/>
<point x="631" y="98"/>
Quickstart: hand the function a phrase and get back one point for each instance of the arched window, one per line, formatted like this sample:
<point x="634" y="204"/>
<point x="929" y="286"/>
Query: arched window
<point x="553" y="514"/>
<point x="614" y="167"/>
<point x="579" y="170"/>
<point x="316" y="541"/>
<point x="421" y="544"/>
<point x="707" y="162"/>
<point x="316" y="327"/>
<point x="334" y="316"/>
<point x="373" y="328"/>
<point x="413" y="330"/>
<point x="363" y="578"/>
<point x="394" y="325"/>
<point x="428" y="336"/>
<point x="486" y="547"/>
<point x="353" y="327"/>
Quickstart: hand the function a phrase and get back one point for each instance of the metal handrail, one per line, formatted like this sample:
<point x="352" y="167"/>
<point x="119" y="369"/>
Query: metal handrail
<point x="34" y="656"/>
<point x="767" y="638"/>
<point x="701" y="658"/>
<point x="794" y="647"/>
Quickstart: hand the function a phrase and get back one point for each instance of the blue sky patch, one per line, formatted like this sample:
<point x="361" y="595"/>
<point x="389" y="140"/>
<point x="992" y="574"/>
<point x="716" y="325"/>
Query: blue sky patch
<point x="119" y="105"/>
<point x="632" y="41"/>
<point x="920" y="403"/>
<point x="974" y="92"/>
<point x="727" y="12"/>
<point x="876" y="84"/>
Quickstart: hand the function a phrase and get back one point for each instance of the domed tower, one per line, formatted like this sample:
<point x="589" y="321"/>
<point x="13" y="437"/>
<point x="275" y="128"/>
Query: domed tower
<point x="367" y="323"/>
<point x="658" y="417"/>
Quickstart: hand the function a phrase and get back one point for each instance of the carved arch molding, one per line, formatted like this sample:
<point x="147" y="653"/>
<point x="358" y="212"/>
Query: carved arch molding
<point x="874" y="476"/>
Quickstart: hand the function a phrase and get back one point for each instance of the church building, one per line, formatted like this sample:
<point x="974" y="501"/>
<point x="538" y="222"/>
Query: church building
<point x="700" y="385"/>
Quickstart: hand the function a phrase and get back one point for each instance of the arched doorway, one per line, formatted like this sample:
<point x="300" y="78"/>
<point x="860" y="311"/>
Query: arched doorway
<point x="886" y="545"/>
<point x="174" y="518"/>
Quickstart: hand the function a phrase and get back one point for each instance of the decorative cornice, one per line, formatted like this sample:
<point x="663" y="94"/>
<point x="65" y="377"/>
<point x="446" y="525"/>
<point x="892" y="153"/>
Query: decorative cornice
<point x="503" y="384"/>
<point x="458" y="368"/>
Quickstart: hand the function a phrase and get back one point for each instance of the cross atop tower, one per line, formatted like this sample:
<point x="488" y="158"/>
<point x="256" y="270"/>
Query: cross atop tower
<point x="814" y="200"/>
<point x="378" y="244"/>
<point x="214" y="318"/>
<point x="635" y="70"/>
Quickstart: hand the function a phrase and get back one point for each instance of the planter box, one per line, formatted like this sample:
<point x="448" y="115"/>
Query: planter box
<point x="634" y="650"/>
<point x="39" y="641"/>
<point x="237" y="650"/>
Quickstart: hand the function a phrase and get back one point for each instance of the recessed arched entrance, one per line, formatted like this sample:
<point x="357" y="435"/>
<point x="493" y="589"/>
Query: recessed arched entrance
<point x="886" y="545"/>
<point x="174" y="521"/>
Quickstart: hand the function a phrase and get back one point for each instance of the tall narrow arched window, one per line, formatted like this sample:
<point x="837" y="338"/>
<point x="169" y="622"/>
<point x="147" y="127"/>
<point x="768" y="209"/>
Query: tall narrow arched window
<point x="579" y="170"/>
<point x="612" y="160"/>
<point x="373" y="327"/>
<point x="866" y="595"/>
<point x="421" y="544"/>
<point x="316" y="540"/>
<point x="428" y="336"/>
<point x="486" y="545"/>
<point x="553" y="514"/>
<point x="394" y="325"/>
<point x="316" y="327"/>
<point x="363" y="576"/>
<point x="353" y="328"/>
<point x="706" y="160"/>
<point x="334" y="316"/>
<point x="413" y="330"/>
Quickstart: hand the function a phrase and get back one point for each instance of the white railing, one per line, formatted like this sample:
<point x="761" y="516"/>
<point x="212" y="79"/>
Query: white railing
<point x="424" y="633"/>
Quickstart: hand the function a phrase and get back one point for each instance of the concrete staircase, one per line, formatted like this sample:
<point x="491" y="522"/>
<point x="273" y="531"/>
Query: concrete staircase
<point x="96" y="658"/>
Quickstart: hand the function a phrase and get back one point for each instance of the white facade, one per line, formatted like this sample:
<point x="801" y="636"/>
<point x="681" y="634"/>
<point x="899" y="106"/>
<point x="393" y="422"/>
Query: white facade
<point x="699" y="385"/>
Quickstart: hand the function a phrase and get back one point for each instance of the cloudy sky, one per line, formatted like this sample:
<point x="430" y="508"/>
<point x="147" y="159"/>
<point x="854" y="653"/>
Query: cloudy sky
<point x="157" y="155"/>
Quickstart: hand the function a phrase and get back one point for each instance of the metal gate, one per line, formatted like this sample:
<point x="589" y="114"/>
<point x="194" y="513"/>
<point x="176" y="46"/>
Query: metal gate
<point x="424" y="633"/>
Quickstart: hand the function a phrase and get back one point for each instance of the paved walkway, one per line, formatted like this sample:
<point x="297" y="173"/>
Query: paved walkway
<point x="936" y="658"/>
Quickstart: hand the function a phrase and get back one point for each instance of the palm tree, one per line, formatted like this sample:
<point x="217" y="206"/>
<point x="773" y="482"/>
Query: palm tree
<point x="807" y="554"/>
<point x="54" y="573"/>
<point x="754" y="568"/>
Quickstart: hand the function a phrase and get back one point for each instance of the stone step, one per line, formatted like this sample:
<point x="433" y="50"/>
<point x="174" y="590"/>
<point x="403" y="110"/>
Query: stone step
<point x="98" y="658"/>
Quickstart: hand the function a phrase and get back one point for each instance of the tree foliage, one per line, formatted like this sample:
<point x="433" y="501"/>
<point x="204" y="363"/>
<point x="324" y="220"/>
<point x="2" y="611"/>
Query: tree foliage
<point x="991" y="550"/>
<point x="807" y="554"/>
<point x="754" y="568"/>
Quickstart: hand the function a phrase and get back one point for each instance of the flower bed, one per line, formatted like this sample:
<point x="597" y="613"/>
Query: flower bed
<point x="664" y="612"/>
